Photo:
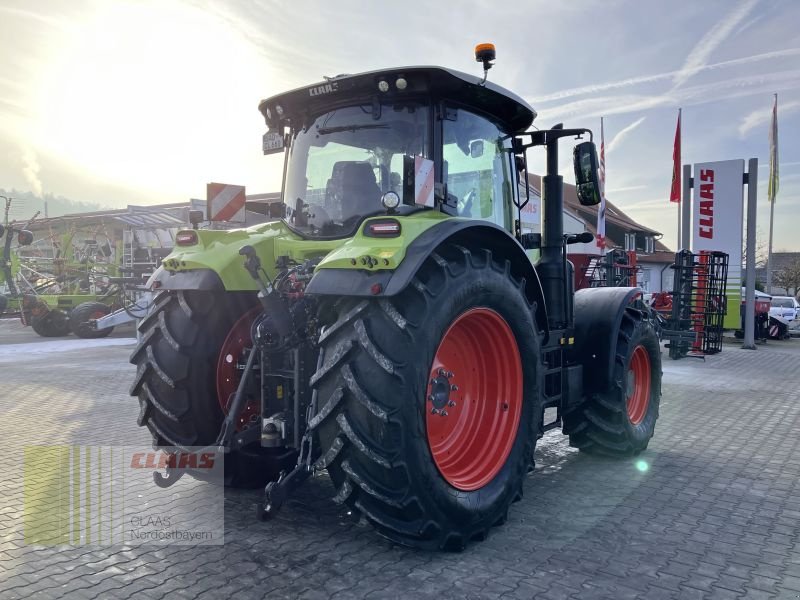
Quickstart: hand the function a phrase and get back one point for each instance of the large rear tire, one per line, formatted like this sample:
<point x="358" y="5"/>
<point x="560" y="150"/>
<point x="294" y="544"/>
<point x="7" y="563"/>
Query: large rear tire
<point x="81" y="315"/>
<point x="621" y="420"/>
<point x="426" y="403"/>
<point x="176" y="378"/>
<point x="54" y="323"/>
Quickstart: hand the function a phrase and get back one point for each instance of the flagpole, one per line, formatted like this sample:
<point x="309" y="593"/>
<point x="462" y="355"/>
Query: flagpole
<point x="769" y="249"/>
<point x="602" y="213"/>
<point x="772" y="190"/>
<point x="680" y="207"/>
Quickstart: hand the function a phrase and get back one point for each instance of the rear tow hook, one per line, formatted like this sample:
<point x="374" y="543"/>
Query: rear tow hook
<point x="170" y="477"/>
<point x="276" y="492"/>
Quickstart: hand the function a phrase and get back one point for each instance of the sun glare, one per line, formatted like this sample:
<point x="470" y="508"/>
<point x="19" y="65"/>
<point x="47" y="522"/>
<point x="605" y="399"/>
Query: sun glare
<point x="158" y="96"/>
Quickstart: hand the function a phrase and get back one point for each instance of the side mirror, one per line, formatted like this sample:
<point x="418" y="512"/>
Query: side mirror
<point x="476" y="148"/>
<point x="587" y="179"/>
<point x="24" y="237"/>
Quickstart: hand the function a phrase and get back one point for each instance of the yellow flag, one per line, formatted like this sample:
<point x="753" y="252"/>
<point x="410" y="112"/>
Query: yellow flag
<point x="774" y="178"/>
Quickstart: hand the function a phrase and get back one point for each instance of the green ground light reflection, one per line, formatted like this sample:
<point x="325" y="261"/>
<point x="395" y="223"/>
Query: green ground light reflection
<point x="642" y="465"/>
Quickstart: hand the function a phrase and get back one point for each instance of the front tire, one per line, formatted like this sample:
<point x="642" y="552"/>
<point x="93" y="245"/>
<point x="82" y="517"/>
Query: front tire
<point x="430" y="479"/>
<point x="621" y="420"/>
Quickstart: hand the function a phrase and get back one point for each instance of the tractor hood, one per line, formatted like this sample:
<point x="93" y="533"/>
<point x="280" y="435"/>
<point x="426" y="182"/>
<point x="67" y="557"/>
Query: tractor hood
<point x="214" y="256"/>
<point x="297" y="107"/>
<point x="211" y="259"/>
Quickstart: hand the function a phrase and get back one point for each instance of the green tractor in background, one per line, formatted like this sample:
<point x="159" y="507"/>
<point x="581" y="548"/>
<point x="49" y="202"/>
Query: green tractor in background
<point x="397" y="328"/>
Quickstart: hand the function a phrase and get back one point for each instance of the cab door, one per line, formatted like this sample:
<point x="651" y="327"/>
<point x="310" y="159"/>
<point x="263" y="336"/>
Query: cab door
<point x="476" y="165"/>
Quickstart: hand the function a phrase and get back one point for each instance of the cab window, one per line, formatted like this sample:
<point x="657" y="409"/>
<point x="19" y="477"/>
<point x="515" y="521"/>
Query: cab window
<point x="476" y="168"/>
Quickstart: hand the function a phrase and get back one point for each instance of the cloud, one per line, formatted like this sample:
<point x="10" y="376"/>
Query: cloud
<point x="655" y="77"/>
<point x="617" y="139"/>
<point x="701" y="52"/>
<point x="602" y="106"/>
<point x="717" y="91"/>
<point x="748" y="24"/>
<point x="764" y="115"/>
<point x="626" y="188"/>
<point x="32" y="15"/>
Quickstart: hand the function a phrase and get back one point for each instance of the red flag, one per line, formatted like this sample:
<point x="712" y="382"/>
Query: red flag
<point x="675" y="194"/>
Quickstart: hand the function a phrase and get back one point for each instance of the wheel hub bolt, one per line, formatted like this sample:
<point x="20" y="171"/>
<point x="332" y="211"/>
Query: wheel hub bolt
<point x="451" y="404"/>
<point x="454" y="388"/>
<point x="434" y="411"/>
<point x="443" y="413"/>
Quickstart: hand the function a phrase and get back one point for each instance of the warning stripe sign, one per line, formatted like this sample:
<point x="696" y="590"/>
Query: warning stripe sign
<point x="423" y="181"/>
<point x="225" y="202"/>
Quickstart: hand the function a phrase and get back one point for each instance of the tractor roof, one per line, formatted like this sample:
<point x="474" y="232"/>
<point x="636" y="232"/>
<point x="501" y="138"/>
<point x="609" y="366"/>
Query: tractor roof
<point x="509" y="110"/>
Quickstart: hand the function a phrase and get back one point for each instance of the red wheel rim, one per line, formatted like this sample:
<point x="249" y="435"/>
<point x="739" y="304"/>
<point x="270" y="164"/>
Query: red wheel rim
<point x="98" y="314"/>
<point x="638" y="385"/>
<point x="228" y="376"/>
<point x="474" y="399"/>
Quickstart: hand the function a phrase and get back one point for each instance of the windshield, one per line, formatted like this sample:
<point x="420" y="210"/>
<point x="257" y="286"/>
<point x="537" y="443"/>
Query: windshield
<point x="782" y="303"/>
<point x="340" y="166"/>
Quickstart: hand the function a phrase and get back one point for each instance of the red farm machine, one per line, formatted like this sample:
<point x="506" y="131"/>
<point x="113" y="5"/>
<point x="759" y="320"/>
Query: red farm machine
<point x="395" y="328"/>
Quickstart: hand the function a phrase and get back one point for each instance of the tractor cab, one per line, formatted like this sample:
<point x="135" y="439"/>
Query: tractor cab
<point x="359" y="145"/>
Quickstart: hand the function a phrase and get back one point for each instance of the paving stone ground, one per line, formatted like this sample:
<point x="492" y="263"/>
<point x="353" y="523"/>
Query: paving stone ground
<point x="715" y="515"/>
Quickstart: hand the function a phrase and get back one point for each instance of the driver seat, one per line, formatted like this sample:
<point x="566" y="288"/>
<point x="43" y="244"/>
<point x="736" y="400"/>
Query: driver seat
<point x="353" y="188"/>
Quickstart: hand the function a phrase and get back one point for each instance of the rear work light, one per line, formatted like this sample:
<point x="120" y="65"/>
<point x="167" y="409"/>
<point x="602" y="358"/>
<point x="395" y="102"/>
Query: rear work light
<point x="382" y="228"/>
<point x="186" y="238"/>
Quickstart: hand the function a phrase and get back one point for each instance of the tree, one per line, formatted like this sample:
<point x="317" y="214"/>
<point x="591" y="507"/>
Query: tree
<point x="761" y="250"/>
<point x="788" y="277"/>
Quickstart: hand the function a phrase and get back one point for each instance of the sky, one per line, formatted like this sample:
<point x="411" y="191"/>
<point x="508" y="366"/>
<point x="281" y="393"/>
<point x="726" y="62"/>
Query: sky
<point x="142" y="102"/>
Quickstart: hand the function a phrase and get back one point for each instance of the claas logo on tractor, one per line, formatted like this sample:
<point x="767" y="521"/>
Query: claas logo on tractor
<point x="348" y="335"/>
<point x="173" y="460"/>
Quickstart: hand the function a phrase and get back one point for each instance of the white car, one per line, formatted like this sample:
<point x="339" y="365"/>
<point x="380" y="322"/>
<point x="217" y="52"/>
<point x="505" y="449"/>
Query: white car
<point x="785" y="307"/>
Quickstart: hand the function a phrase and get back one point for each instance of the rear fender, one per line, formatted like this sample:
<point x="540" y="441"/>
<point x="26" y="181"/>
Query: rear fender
<point x="598" y="318"/>
<point x="471" y="234"/>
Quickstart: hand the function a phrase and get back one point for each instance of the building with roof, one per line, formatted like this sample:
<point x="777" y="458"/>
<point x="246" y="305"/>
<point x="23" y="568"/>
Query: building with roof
<point x="146" y="233"/>
<point x="653" y="257"/>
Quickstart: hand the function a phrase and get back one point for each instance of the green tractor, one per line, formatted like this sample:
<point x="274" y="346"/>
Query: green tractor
<point x="9" y="266"/>
<point x="397" y="327"/>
